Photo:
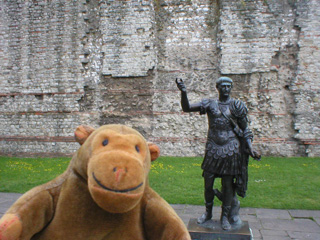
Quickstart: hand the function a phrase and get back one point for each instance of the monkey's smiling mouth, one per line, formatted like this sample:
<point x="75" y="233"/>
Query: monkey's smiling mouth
<point x="115" y="190"/>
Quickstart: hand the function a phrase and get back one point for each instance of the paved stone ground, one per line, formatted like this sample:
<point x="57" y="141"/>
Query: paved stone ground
<point x="266" y="224"/>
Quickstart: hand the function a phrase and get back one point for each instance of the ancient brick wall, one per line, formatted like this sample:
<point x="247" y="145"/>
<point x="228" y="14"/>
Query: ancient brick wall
<point x="66" y="63"/>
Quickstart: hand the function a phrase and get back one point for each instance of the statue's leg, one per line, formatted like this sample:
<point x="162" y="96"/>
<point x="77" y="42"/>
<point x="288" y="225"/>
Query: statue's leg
<point x="228" y="193"/>
<point x="234" y="217"/>
<point x="208" y="196"/>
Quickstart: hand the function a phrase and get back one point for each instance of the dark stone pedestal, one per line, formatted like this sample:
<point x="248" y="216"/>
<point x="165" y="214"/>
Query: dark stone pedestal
<point x="211" y="230"/>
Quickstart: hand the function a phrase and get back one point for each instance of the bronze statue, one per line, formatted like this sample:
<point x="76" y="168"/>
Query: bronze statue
<point x="229" y="144"/>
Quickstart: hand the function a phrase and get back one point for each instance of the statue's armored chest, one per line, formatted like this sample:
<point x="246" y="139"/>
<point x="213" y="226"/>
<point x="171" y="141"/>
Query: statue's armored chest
<point x="218" y="114"/>
<point x="220" y="128"/>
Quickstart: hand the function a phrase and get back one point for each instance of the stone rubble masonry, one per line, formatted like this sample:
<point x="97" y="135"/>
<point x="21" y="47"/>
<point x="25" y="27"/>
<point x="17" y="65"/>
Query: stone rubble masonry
<point x="66" y="63"/>
<point x="128" y="38"/>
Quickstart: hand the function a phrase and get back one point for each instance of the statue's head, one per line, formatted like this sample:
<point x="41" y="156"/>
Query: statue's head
<point x="224" y="86"/>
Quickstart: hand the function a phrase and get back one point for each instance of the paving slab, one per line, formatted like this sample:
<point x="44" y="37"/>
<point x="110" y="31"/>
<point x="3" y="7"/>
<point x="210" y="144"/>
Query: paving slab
<point x="6" y="200"/>
<point x="179" y="207"/>
<point x="273" y="214"/>
<point x="276" y="238"/>
<point x="304" y="235"/>
<point x="249" y="218"/>
<point x="256" y="225"/>
<point x="256" y="234"/>
<point x="279" y="233"/>
<point x="9" y="196"/>
<point x="304" y="213"/>
<point x="4" y="206"/>
<point x="301" y="225"/>
<point x="248" y="211"/>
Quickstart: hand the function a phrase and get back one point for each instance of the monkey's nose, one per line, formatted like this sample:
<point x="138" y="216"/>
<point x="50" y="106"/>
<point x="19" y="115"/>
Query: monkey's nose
<point x="119" y="173"/>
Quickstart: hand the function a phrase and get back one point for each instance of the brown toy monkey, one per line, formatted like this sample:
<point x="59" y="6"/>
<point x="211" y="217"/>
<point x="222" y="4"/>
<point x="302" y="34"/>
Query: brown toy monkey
<point x="104" y="194"/>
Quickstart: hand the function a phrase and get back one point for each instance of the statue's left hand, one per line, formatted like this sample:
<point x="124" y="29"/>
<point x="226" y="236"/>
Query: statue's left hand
<point x="256" y="155"/>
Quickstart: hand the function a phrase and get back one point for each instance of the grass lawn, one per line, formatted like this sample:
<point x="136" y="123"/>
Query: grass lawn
<point x="283" y="183"/>
<point x="280" y="183"/>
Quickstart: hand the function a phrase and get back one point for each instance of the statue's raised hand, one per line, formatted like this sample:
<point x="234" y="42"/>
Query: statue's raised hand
<point x="180" y="85"/>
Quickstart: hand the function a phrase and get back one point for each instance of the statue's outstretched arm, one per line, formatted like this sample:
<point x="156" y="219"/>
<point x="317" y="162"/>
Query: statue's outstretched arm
<point x="186" y="106"/>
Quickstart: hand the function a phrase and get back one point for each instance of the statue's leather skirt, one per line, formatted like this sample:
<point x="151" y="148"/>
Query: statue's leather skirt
<point x="222" y="155"/>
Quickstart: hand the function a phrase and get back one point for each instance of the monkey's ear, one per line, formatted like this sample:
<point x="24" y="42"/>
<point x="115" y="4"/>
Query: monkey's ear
<point x="82" y="133"/>
<point x="154" y="151"/>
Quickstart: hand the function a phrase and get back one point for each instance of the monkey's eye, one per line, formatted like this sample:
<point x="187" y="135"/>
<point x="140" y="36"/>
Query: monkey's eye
<point x="137" y="148"/>
<point x="105" y="142"/>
